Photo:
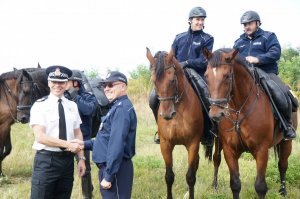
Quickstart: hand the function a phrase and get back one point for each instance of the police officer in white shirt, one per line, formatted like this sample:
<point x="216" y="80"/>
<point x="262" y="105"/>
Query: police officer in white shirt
<point x="55" y="122"/>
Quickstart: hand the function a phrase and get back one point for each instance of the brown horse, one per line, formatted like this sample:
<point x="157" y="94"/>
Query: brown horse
<point x="180" y="120"/>
<point x="18" y="91"/>
<point x="246" y="122"/>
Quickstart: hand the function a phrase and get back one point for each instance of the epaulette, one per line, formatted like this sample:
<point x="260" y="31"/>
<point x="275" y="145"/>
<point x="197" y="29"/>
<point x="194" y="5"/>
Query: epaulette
<point x="42" y="99"/>
<point x="206" y="36"/>
<point x="178" y="36"/>
<point x="267" y="34"/>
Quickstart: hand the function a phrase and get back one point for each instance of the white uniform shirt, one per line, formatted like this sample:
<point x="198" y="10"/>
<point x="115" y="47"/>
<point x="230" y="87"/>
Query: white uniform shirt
<point x="45" y="113"/>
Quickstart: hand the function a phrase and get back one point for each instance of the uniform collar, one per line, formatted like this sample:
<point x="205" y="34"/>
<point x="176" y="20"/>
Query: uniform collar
<point x="55" y="98"/>
<point x="121" y="98"/>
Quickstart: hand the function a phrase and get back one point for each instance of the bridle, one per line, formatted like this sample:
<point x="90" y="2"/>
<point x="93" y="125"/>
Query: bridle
<point x="20" y="108"/>
<point x="34" y="91"/>
<point x="177" y="97"/>
<point x="224" y="102"/>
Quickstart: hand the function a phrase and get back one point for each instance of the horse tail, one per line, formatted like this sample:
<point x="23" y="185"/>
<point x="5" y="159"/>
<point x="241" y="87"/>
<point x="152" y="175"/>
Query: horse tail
<point x="209" y="151"/>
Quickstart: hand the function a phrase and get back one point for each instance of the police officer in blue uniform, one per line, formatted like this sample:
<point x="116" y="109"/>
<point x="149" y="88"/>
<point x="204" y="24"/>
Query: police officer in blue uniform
<point x="262" y="49"/>
<point x="188" y="51"/>
<point x="87" y="104"/>
<point x="55" y="122"/>
<point x="114" y="145"/>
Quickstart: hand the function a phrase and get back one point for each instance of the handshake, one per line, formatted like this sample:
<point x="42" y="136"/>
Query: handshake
<point x="75" y="145"/>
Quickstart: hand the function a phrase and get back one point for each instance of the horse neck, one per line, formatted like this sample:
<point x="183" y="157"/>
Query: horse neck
<point x="185" y="89"/>
<point x="243" y="84"/>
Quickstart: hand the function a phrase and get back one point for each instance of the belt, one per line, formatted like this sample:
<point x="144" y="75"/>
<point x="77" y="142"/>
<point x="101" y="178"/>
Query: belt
<point x="55" y="153"/>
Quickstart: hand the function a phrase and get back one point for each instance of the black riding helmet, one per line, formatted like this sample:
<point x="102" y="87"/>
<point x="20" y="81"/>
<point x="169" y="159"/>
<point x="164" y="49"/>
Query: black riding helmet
<point x="76" y="76"/>
<point x="197" y="12"/>
<point x="250" y="16"/>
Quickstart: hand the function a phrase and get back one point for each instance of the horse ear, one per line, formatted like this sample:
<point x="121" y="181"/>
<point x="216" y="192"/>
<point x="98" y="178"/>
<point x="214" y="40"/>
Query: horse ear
<point x="207" y="54"/>
<point x="150" y="57"/>
<point x="39" y="66"/>
<point x="234" y="53"/>
<point x="170" y="56"/>
<point x="15" y="69"/>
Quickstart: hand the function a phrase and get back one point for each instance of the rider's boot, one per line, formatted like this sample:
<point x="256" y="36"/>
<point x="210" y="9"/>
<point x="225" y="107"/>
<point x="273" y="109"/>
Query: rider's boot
<point x="154" y="104"/>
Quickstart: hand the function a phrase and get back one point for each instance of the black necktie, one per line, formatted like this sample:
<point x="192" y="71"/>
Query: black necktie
<point x="62" y="121"/>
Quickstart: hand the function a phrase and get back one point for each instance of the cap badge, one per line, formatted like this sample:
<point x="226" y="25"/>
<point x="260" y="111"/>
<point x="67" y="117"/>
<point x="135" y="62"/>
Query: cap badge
<point x="57" y="72"/>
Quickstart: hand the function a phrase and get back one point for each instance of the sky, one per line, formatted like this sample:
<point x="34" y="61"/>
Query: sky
<point x="113" y="35"/>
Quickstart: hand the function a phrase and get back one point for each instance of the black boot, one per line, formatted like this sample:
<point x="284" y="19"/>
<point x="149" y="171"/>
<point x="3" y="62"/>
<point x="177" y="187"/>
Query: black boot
<point x="156" y="138"/>
<point x="289" y="133"/>
<point x="154" y="105"/>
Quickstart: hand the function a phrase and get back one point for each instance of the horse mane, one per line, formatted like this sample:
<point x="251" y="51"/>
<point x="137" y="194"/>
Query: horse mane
<point x="216" y="58"/>
<point x="10" y="75"/>
<point x="160" y="64"/>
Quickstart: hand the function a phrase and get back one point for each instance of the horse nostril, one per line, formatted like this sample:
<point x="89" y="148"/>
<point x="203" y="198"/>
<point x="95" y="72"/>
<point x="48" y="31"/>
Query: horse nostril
<point x="173" y="114"/>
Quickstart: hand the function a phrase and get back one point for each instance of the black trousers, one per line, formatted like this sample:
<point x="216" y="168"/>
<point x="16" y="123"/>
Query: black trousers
<point x="86" y="180"/>
<point x="53" y="175"/>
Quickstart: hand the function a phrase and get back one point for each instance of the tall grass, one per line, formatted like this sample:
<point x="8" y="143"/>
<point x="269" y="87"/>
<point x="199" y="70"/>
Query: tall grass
<point x="149" y="167"/>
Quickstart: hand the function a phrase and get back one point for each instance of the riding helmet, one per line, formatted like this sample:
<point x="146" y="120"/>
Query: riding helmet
<point x="250" y="16"/>
<point x="197" y="12"/>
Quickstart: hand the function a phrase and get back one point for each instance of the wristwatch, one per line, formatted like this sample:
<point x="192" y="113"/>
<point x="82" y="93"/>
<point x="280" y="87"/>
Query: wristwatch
<point x="81" y="158"/>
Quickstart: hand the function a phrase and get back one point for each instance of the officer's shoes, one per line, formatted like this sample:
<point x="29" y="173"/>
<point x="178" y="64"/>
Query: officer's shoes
<point x="289" y="133"/>
<point x="156" y="138"/>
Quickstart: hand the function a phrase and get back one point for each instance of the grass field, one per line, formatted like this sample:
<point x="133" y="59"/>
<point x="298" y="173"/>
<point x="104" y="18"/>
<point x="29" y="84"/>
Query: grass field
<point x="149" y="180"/>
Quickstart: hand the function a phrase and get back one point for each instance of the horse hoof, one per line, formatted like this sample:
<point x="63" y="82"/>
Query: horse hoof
<point x="282" y="191"/>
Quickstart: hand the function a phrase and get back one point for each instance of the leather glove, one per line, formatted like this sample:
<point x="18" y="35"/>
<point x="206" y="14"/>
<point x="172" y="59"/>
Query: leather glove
<point x="183" y="64"/>
<point x="73" y="93"/>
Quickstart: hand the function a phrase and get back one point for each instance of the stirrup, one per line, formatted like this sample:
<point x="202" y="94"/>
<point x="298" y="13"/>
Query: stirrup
<point x="156" y="138"/>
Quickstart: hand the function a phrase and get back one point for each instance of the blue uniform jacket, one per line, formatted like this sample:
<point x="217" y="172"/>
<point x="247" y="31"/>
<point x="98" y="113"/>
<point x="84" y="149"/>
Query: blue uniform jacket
<point x="188" y="46"/>
<point x="263" y="45"/>
<point x="115" y="140"/>
<point x="87" y="104"/>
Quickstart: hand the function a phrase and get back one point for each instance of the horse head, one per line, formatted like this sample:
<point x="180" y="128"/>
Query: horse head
<point x="219" y="76"/>
<point x="164" y="75"/>
<point x="25" y="96"/>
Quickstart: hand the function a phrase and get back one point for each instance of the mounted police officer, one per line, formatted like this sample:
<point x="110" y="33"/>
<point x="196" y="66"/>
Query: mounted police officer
<point x="188" y="51"/>
<point x="55" y="122"/>
<point x="114" y="145"/>
<point x="87" y="104"/>
<point x="262" y="49"/>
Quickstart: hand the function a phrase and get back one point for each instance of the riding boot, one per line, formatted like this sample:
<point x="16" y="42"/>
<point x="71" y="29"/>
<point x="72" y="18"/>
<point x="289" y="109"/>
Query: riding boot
<point x="201" y="89"/>
<point x="154" y="104"/>
<point x="289" y="133"/>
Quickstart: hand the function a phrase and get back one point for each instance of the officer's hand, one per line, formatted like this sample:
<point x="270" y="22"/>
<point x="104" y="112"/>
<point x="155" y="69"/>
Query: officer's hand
<point x="80" y="142"/>
<point x="252" y="60"/>
<point x="81" y="168"/>
<point x="183" y="64"/>
<point x="105" y="184"/>
<point x="73" y="93"/>
<point x="74" y="147"/>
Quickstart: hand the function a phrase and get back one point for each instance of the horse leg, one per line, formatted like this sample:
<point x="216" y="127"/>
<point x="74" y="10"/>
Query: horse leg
<point x="193" y="163"/>
<point x="232" y="162"/>
<point x="217" y="162"/>
<point x="166" y="150"/>
<point x="261" y="158"/>
<point x="284" y="151"/>
<point x="7" y="145"/>
<point x="5" y="148"/>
